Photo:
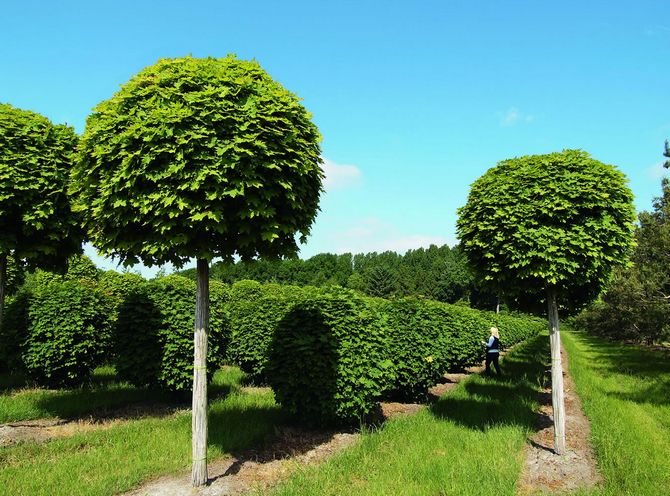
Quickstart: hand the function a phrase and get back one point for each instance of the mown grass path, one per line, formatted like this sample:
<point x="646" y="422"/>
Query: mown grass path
<point x="625" y="392"/>
<point x="468" y="443"/>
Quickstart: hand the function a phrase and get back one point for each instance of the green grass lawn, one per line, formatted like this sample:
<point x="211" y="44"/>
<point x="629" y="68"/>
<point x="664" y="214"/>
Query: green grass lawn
<point x="469" y="443"/>
<point x="114" y="460"/>
<point x="625" y="391"/>
<point x="103" y="395"/>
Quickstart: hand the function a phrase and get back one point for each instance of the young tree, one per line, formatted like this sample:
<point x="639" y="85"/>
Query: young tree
<point x="552" y="225"/>
<point x="199" y="158"/>
<point x="36" y="224"/>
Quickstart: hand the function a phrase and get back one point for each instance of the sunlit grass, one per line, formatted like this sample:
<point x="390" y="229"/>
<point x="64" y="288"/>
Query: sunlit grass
<point x="21" y="402"/>
<point x="114" y="460"/>
<point x="469" y="443"/>
<point x="625" y="391"/>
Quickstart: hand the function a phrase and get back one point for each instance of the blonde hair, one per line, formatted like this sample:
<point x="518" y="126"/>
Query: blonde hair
<point x="494" y="332"/>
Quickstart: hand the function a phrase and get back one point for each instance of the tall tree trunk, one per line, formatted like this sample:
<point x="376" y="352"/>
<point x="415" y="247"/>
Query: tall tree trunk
<point x="557" y="398"/>
<point x="3" y="277"/>
<point x="199" y="410"/>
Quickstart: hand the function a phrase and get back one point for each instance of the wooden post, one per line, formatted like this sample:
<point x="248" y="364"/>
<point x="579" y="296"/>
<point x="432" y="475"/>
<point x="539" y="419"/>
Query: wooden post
<point x="557" y="397"/>
<point x="199" y="410"/>
<point x="3" y="276"/>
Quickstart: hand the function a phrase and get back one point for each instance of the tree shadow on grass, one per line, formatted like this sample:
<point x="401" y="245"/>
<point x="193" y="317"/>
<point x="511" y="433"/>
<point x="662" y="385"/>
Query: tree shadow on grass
<point x="509" y="400"/>
<point x="652" y="366"/>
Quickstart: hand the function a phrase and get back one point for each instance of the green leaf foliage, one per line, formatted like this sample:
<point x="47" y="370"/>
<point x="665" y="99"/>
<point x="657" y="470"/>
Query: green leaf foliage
<point x="255" y="313"/>
<point x="561" y="220"/>
<point x="67" y="333"/>
<point x="198" y="158"/>
<point x="153" y="337"/>
<point x="14" y="330"/>
<point x="429" y="338"/>
<point x="36" y="221"/>
<point x="328" y="360"/>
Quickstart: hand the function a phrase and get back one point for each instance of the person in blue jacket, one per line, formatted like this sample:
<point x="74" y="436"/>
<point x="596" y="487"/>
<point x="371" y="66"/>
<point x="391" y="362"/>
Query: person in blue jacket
<point x="493" y="351"/>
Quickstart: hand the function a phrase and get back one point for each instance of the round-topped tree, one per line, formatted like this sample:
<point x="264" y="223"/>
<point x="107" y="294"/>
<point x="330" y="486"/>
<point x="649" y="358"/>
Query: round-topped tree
<point x="548" y="228"/>
<point x="37" y="226"/>
<point x="199" y="158"/>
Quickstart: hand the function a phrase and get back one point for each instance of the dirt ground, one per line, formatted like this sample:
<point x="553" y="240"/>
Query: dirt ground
<point x="545" y="471"/>
<point x="256" y="469"/>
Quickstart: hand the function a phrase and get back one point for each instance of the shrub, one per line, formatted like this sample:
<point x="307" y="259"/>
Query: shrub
<point x="154" y="333"/>
<point x="328" y="361"/>
<point x="67" y="333"/>
<point x="14" y="330"/>
<point x="253" y="323"/>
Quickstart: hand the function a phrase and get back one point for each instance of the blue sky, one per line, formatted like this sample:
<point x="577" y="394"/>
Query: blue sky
<point x="414" y="100"/>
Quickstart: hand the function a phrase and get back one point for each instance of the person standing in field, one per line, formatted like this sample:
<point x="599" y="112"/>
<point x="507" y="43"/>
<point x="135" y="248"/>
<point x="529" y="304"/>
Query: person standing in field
<point x="493" y="351"/>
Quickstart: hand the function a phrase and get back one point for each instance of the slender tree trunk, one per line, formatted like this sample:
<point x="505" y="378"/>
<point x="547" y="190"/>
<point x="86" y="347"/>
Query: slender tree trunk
<point x="199" y="411"/>
<point x="3" y="277"/>
<point x="497" y="304"/>
<point x="557" y="398"/>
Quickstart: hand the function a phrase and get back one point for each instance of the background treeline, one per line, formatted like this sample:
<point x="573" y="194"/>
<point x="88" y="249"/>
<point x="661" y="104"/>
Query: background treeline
<point x="439" y="273"/>
<point x="636" y="305"/>
<point x="329" y="353"/>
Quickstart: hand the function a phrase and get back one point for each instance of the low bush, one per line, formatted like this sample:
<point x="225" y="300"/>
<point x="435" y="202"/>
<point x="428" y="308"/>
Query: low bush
<point x="68" y="330"/>
<point x="329" y="357"/>
<point x="154" y="332"/>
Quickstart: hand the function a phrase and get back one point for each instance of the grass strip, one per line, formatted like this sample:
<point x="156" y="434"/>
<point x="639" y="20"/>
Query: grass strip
<point x="469" y="443"/>
<point x="625" y="392"/>
<point x="18" y="402"/>
<point x="114" y="460"/>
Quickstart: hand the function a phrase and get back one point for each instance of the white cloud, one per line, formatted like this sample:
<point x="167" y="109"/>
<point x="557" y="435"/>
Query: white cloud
<point x="340" y="176"/>
<point x="658" y="30"/>
<point x="656" y="171"/>
<point x="514" y="116"/>
<point x="371" y="234"/>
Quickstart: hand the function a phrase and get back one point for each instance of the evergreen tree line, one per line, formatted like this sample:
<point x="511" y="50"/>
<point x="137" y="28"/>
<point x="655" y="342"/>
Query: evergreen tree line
<point x="439" y="272"/>
<point x="636" y="305"/>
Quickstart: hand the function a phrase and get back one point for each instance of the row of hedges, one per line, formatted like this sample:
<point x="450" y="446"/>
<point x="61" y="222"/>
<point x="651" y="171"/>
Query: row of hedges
<point x="330" y="354"/>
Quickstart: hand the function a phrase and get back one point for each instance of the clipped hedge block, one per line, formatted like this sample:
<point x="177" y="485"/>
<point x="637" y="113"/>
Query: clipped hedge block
<point x="253" y="324"/>
<point x="68" y="331"/>
<point x="154" y="333"/>
<point x="329" y="357"/>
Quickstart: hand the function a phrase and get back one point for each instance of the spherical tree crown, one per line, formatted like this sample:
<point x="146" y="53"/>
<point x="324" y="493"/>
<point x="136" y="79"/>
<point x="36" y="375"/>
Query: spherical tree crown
<point x="199" y="158"/>
<point x="561" y="220"/>
<point x="36" y="222"/>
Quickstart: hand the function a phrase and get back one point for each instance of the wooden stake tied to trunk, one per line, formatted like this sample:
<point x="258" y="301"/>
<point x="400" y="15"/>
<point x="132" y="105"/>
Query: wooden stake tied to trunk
<point x="199" y="410"/>
<point x="557" y="396"/>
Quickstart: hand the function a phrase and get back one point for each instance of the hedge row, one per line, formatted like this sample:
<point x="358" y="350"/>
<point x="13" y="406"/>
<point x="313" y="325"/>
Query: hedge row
<point x="154" y="334"/>
<point x="330" y="354"/>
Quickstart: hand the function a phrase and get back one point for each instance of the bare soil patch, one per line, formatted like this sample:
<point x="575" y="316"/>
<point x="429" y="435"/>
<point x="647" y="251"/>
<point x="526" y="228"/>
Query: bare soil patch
<point x="291" y="449"/>
<point x="545" y="471"/>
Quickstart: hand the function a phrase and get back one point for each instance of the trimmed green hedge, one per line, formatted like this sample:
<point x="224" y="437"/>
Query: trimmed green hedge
<point x="328" y="359"/>
<point x="154" y="333"/>
<point x="255" y="312"/>
<point x="14" y="330"/>
<point x="68" y="330"/>
<point x="428" y="338"/>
